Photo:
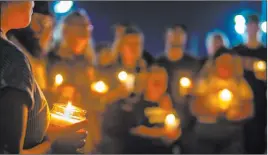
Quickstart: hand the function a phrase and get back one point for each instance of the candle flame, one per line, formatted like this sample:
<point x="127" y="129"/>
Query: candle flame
<point x="225" y="97"/>
<point x="185" y="82"/>
<point x="171" y="121"/>
<point x="100" y="87"/>
<point x="122" y="76"/>
<point x="260" y="65"/>
<point x="68" y="110"/>
<point x="58" y="79"/>
<point x="69" y="106"/>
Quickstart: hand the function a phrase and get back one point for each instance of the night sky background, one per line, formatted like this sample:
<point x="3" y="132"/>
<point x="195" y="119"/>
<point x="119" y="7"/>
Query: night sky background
<point x="153" y="17"/>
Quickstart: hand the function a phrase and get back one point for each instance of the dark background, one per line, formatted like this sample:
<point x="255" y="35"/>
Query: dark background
<point x="153" y="17"/>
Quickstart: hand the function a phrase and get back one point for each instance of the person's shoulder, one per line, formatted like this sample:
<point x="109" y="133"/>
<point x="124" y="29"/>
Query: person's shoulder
<point x="162" y="60"/>
<point x="239" y="47"/>
<point x="11" y="54"/>
<point x="190" y="57"/>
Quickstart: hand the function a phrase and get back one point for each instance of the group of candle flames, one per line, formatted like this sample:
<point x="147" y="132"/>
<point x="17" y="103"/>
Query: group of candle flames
<point x="72" y="114"/>
<point x="69" y="113"/>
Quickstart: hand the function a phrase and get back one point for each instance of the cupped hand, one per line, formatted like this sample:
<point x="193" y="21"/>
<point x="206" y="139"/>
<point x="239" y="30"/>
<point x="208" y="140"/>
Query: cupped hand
<point x="74" y="132"/>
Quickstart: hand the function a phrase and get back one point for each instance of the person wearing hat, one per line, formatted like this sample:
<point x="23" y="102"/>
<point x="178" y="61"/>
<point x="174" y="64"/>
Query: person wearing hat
<point x="254" y="58"/>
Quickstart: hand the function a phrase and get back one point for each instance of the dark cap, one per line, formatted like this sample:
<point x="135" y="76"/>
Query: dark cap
<point x="175" y="26"/>
<point x="42" y="7"/>
<point x="253" y="18"/>
<point x="132" y="30"/>
<point x="124" y="23"/>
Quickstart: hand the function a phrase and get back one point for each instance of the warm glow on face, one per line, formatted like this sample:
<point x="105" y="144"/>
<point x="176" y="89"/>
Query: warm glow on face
<point x="171" y="121"/>
<point x="260" y="66"/>
<point x="100" y="87"/>
<point x="185" y="82"/>
<point x="58" y="79"/>
<point x="225" y="95"/>
<point x="122" y="76"/>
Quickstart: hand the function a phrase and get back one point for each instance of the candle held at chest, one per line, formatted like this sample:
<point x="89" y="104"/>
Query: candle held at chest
<point x="63" y="115"/>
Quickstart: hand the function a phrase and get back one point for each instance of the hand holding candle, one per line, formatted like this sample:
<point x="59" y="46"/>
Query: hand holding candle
<point x="67" y="124"/>
<point x="127" y="79"/>
<point x="172" y="128"/>
<point x="260" y="69"/>
<point x="171" y="122"/>
<point x="225" y="99"/>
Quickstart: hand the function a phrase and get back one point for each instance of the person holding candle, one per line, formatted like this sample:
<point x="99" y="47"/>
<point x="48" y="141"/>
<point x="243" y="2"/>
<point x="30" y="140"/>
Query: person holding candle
<point x="72" y="55"/>
<point x="154" y="131"/>
<point x="254" y="57"/>
<point x="24" y="113"/>
<point x="182" y="69"/>
<point x="104" y="90"/>
<point x="132" y="132"/>
<point x="222" y="103"/>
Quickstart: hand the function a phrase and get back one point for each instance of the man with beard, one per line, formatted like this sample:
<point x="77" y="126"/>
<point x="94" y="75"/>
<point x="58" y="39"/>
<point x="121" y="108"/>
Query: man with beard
<point x="254" y="58"/>
<point x="181" y="69"/>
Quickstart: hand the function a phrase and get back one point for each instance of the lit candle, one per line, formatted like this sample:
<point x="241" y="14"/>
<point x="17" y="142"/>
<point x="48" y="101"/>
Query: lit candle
<point x="260" y="66"/>
<point x="127" y="79"/>
<point x="171" y="122"/>
<point x="185" y="85"/>
<point x="185" y="82"/>
<point x="63" y="115"/>
<point x="122" y="76"/>
<point x="99" y="87"/>
<point x="225" y="97"/>
<point x="58" y="80"/>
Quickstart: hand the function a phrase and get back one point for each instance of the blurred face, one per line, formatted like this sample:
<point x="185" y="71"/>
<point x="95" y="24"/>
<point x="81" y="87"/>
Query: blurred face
<point x="225" y="66"/>
<point x="119" y="30"/>
<point x="177" y="37"/>
<point x="252" y="28"/>
<point x="157" y="84"/>
<point x="105" y="57"/>
<point x="42" y="25"/>
<point x="131" y="49"/>
<point x="77" y="34"/>
<point x="18" y="14"/>
<point x="217" y="42"/>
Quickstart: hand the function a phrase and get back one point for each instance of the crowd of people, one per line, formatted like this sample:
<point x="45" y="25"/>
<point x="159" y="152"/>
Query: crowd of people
<point x="135" y="102"/>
